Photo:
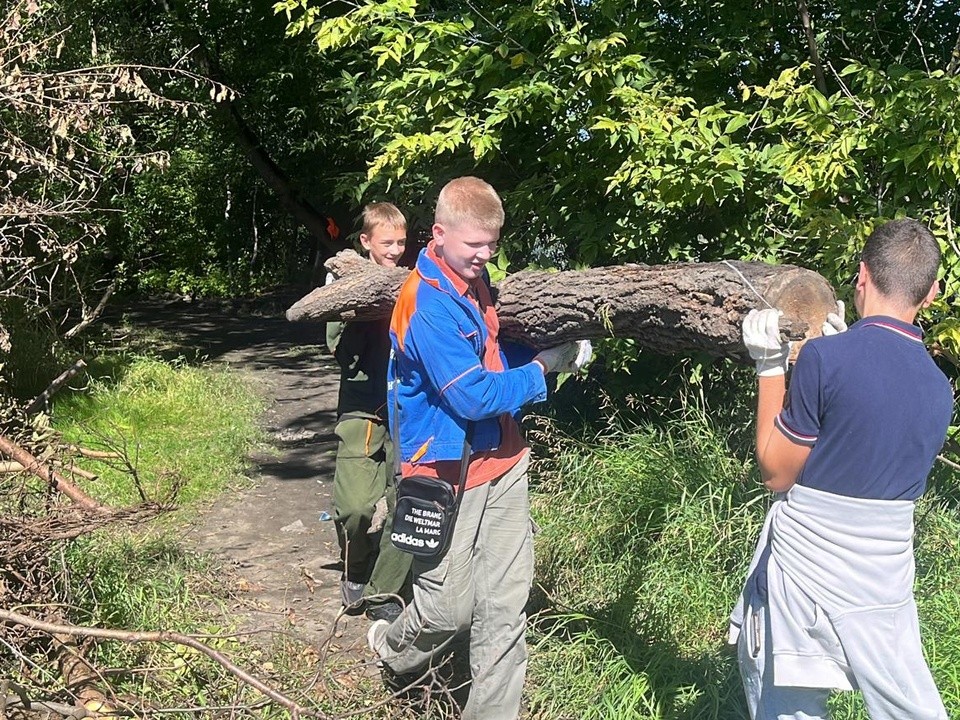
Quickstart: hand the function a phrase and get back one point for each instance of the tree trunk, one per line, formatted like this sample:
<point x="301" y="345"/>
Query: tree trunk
<point x="812" y="45"/>
<point x="313" y="219"/>
<point x="680" y="308"/>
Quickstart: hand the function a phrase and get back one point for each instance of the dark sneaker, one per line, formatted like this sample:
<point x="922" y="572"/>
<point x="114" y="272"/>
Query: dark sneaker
<point x="351" y="592"/>
<point x="388" y="611"/>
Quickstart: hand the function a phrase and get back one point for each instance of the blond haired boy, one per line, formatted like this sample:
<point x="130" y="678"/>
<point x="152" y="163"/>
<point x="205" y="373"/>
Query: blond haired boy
<point x="447" y="370"/>
<point x="364" y="467"/>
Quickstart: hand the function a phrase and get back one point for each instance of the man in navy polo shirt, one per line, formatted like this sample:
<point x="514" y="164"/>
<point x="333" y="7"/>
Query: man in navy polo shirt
<point x="828" y="603"/>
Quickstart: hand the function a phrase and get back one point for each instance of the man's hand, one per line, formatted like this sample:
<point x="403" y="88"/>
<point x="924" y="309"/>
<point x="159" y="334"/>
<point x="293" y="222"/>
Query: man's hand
<point x="552" y="359"/>
<point x="584" y="355"/>
<point x="761" y="335"/>
<point x="835" y="323"/>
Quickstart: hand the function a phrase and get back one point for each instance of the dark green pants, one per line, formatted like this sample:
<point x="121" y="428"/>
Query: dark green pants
<point x="364" y="474"/>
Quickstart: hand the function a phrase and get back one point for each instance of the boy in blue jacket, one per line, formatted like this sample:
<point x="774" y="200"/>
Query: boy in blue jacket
<point x="448" y="369"/>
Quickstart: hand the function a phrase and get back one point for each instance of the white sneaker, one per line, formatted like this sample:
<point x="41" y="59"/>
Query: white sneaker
<point x="376" y="635"/>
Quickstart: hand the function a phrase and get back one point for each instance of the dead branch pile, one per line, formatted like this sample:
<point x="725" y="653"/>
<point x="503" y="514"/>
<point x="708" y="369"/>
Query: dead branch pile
<point x="41" y="513"/>
<point x="49" y="665"/>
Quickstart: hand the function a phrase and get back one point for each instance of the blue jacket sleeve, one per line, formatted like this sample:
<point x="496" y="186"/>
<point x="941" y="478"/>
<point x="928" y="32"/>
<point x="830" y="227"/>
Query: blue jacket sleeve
<point x="452" y="366"/>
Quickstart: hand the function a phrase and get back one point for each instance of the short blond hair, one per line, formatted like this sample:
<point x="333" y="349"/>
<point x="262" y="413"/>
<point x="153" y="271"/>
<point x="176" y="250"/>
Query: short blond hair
<point x="382" y="214"/>
<point x="470" y="201"/>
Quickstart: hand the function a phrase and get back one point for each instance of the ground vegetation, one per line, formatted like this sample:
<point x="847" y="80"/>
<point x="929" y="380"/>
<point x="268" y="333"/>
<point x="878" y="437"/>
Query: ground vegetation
<point x="202" y="149"/>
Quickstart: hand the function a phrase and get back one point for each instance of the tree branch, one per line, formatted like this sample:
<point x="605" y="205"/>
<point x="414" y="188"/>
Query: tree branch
<point x="681" y="307"/>
<point x="89" y="317"/>
<point x="59" y="381"/>
<point x="954" y="64"/>
<point x="812" y="45"/>
<point x="53" y="478"/>
<point x="302" y="210"/>
<point x="165" y="636"/>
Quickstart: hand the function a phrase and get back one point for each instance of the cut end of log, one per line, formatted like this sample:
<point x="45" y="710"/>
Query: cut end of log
<point x="805" y="298"/>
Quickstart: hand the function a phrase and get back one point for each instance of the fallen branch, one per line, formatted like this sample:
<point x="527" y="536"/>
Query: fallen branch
<point x="41" y="400"/>
<point x="21" y="701"/>
<point x="89" y="317"/>
<point x="48" y="475"/>
<point x="296" y="710"/>
<point x="94" y="454"/>
<point x="679" y="308"/>
<point x="74" y="470"/>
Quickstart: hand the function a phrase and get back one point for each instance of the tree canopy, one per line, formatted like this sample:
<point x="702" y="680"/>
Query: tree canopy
<point x="617" y="131"/>
<point x="687" y="130"/>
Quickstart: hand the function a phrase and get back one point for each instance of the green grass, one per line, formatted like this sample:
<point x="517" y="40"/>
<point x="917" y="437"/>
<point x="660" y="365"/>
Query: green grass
<point x="646" y="533"/>
<point x="177" y="424"/>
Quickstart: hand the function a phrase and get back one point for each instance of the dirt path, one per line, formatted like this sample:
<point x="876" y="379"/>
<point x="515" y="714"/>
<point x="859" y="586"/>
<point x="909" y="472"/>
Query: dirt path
<point x="284" y="557"/>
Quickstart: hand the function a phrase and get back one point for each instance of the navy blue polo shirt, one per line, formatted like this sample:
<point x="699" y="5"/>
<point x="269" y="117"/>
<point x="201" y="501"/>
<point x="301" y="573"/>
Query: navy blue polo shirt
<point x="873" y="407"/>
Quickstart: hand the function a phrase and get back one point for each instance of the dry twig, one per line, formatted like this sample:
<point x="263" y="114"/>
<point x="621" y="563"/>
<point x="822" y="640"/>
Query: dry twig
<point x="165" y="636"/>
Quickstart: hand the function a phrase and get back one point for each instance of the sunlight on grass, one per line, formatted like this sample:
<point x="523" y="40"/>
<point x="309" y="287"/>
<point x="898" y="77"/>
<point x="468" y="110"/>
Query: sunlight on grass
<point x="646" y="533"/>
<point x="177" y="424"/>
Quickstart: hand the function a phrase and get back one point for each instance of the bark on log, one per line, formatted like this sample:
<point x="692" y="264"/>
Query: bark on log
<point x="679" y="308"/>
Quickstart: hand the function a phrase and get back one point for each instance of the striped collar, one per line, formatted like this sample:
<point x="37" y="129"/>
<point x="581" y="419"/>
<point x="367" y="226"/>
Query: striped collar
<point x="901" y="328"/>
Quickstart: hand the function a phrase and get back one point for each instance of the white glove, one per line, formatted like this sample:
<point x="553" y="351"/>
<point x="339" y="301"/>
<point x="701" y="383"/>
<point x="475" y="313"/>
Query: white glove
<point x="761" y="335"/>
<point x="552" y="359"/>
<point x="834" y="323"/>
<point x="584" y="355"/>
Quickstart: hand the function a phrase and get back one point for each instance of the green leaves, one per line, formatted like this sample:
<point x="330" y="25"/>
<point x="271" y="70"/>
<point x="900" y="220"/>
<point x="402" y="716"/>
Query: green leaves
<point x="621" y="133"/>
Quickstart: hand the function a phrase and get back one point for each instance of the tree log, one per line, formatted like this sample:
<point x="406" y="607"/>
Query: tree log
<point x="679" y="308"/>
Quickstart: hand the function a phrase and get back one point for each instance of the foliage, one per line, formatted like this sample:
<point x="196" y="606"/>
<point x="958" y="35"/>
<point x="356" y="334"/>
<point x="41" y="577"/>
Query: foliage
<point x="623" y="132"/>
<point x="179" y="425"/>
<point x="211" y="212"/>
<point x="68" y="144"/>
<point x="646" y="532"/>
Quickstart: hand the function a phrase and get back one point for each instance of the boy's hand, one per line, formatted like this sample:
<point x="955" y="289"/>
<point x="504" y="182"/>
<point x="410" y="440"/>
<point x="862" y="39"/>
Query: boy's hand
<point x="556" y="357"/>
<point x="761" y="335"/>
<point x="584" y="355"/>
<point x="835" y="323"/>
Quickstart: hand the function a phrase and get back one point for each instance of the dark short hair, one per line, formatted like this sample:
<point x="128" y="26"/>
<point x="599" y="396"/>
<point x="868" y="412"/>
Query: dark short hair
<point x="903" y="258"/>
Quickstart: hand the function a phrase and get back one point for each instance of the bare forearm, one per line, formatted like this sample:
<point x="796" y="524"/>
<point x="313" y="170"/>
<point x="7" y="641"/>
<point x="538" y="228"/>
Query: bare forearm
<point x="770" y="394"/>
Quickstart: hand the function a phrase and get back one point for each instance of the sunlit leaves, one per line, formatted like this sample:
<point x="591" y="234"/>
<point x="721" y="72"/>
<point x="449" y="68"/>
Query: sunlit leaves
<point x="622" y="133"/>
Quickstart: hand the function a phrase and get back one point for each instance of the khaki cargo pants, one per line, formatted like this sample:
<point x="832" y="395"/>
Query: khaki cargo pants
<point x="480" y="585"/>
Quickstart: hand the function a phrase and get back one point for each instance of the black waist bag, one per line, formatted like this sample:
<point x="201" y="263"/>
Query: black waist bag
<point x="424" y="517"/>
<point x="426" y="510"/>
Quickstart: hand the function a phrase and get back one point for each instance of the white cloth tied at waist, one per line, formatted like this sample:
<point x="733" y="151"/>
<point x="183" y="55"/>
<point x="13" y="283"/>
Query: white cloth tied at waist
<point x="832" y="557"/>
<point x="847" y="554"/>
